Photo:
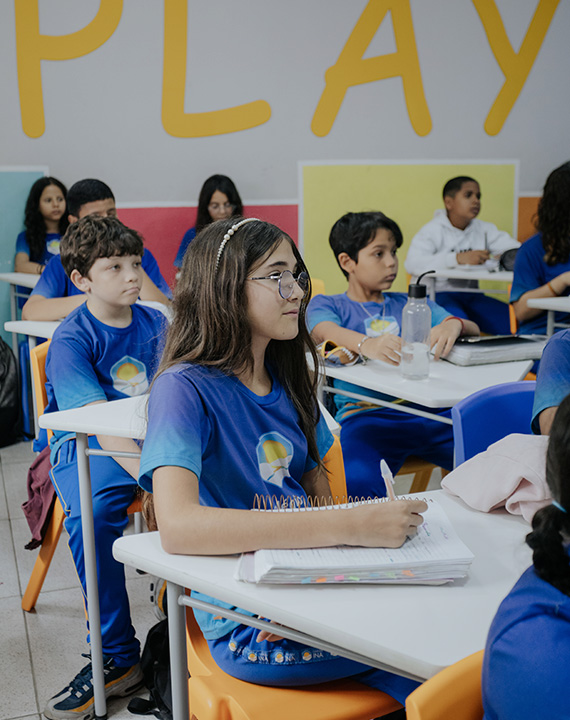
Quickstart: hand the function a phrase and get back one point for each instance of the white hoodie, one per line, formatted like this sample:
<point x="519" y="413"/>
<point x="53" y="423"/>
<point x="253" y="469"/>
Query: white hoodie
<point x="435" y="247"/>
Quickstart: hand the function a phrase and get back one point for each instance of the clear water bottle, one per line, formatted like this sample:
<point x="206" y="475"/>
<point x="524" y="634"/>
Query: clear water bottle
<point x="416" y="327"/>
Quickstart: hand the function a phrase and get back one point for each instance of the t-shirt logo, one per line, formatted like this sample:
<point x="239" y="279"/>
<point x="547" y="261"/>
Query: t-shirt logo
<point x="274" y="455"/>
<point x="53" y="247"/>
<point x="129" y="376"/>
<point x="376" y="325"/>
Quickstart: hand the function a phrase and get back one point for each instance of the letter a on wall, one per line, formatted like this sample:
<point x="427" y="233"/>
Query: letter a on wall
<point x="32" y="48"/>
<point x="352" y="68"/>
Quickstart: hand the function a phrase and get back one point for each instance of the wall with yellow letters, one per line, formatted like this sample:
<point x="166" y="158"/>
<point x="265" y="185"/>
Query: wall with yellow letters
<point x="153" y="96"/>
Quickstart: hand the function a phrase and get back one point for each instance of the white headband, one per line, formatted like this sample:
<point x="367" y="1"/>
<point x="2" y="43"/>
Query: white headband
<point x="228" y="235"/>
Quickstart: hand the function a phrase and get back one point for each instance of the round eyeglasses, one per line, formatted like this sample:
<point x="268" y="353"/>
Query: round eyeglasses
<point x="286" y="282"/>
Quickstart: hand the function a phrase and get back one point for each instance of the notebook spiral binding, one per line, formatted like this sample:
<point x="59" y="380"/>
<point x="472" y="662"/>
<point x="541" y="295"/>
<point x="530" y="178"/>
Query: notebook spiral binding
<point x="282" y="503"/>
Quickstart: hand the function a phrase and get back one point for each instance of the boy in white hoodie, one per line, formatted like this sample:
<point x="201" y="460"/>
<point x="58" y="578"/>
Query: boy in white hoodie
<point x="456" y="238"/>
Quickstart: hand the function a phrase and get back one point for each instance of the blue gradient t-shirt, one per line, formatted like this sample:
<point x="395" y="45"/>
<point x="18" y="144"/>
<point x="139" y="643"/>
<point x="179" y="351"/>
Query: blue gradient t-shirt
<point x="89" y="361"/>
<point x="237" y="443"/>
<point x="369" y="318"/>
<point x="553" y="379"/>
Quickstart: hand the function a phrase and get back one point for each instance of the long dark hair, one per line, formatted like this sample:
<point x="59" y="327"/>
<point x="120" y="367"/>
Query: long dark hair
<point x="34" y="221"/>
<point x="553" y="216"/>
<point x="550" y="525"/>
<point x="225" y="185"/>
<point x="211" y="325"/>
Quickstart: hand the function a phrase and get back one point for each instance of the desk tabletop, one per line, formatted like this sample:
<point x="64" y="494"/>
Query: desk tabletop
<point x="559" y="304"/>
<point x="121" y="418"/>
<point x="446" y="385"/>
<point x="33" y="328"/>
<point x="28" y="280"/>
<point x="416" y="629"/>
<point x="473" y="272"/>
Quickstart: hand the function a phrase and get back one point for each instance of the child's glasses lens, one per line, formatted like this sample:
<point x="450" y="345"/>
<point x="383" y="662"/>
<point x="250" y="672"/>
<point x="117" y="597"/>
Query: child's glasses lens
<point x="287" y="283"/>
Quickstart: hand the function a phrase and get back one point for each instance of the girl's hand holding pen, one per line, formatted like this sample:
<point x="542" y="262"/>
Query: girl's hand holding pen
<point x="383" y="524"/>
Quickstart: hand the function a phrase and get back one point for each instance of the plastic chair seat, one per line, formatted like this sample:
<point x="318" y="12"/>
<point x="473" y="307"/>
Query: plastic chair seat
<point x="452" y="694"/>
<point x="215" y="695"/>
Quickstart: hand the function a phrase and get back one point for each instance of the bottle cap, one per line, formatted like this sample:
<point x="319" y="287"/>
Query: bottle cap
<point x="417" y="290"/>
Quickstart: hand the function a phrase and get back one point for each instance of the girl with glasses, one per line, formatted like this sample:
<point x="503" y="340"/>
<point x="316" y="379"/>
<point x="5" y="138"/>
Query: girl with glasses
<point x="233" y="414"/>
<point x="218" y="200"/>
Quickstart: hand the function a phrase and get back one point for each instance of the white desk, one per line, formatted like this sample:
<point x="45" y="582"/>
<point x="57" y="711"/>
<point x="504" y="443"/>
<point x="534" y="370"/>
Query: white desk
<point x="475" y="272"/>
<point x="552" y="306"/>
<point x="412" y="630"/>
<point x="447" y="383"/>
<point x="24" y="280"/>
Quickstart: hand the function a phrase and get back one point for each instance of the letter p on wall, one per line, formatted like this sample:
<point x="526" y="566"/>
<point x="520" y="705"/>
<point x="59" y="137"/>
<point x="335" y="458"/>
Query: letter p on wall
<point x="32" y="48"/>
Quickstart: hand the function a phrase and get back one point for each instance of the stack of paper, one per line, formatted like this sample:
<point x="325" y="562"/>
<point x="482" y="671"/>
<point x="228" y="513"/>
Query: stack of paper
<point x="435" y="555"/>
<point x="496" y="348"/>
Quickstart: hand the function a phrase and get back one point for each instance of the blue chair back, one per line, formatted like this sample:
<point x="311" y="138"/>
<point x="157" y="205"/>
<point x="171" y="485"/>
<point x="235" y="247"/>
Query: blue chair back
<point x="490" y="415"/>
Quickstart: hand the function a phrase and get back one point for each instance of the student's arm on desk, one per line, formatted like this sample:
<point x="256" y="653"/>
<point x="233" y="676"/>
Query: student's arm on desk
<point x="149" y="291"/>
<point x="188" y="528"/>
<point x="23" y="264"/>
<point x="111" y="443"/>
<point x="444" y="335"/>
<point x="38" y="307"/>
<point x="555" y="288"/>
<point x="385" y="347"/>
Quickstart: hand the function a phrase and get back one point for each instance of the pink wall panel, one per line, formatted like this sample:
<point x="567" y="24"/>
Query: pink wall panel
<point x="163" y="228"/>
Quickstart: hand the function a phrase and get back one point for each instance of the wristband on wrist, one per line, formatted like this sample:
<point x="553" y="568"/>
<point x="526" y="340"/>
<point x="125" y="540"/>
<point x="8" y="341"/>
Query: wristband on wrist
<point x="454" y="317"/>
<point x="552" y="290"/>
<point x="360" y="344"/>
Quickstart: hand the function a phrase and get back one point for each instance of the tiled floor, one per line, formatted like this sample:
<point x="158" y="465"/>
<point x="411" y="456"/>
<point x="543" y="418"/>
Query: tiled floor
<point x="41" y="651"/>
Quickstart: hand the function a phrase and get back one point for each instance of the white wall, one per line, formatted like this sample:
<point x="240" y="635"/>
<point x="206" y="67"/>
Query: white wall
<point x="103" y="110"/>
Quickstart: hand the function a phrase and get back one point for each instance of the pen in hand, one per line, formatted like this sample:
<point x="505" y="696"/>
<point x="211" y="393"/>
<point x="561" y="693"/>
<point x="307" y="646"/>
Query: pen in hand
<point x="388" y="479"/>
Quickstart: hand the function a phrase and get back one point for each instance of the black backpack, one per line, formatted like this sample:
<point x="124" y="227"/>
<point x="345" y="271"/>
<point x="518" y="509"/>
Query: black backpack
<point x="155" y="665"/>
<point x="10" y="412"/>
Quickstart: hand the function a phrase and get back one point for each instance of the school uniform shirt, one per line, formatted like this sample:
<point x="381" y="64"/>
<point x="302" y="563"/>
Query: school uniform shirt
<point x="51" y="247"/>
<point x="531" y="272"/>
<point x="553" y="379"/>
<point x="237" y="443"/>
<point x="89" y="361"/>
<point x="526" y="668"/>
<point x="436" y="244"/>
<point x="368" y="318"/>
<point x="54" y="282"/>
<point x="189" y="235"/>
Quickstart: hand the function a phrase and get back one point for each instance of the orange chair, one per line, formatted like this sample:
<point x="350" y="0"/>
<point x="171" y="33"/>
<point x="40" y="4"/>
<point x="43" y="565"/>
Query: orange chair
<point x="215" y="695"/>
<point x="43" y="561"/>
<point x="452" y="694"/>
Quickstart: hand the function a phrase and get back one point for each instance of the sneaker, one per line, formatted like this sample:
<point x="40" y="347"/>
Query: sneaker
<point x="158" y="597"/>
<point x="76" y="700"/>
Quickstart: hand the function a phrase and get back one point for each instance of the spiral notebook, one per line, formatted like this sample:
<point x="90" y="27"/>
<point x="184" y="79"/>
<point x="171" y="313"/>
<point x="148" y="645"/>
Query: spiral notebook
<point x="436" y="555"/>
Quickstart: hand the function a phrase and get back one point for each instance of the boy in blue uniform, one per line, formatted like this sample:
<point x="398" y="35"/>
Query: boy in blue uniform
<point x="106" y="349"/>
<point x="55" y="296"/>
<point x="367" y="321"/>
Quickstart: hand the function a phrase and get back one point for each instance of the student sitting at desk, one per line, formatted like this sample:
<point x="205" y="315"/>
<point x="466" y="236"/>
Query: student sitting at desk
<point x="552" y="382"/>
<point x="456" y="238"/>
<point x="55" y="296"/>
<point x="233" y="414"/>
<point x="367" y="321"/>
<point x="105" y="349"/>
<point x="45" y="220"/>
<point x="219" y="199"/>
<point x="525" y="668"/>
<point x="542" y="265"/>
